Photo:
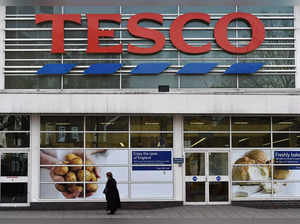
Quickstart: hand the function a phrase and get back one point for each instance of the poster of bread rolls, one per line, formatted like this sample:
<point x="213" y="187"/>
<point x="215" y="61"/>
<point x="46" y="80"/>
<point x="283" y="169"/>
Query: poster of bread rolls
<point x="265" y="173"/>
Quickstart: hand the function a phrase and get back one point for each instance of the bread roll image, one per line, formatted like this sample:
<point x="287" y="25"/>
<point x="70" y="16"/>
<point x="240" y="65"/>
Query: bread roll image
<point x="258" y="155"/>
<point x="249" y="173"/>
<point x="280" y="174"/>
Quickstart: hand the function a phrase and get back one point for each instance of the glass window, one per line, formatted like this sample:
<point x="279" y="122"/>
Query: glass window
<point x="92" y="82"/>
<point x="33" y="82"/>
<point x="251" y="124"/>
<point x="61" y="124"/>
<point x="286" y="123"/>
<point x="107" y="123"/>
<point x="151" y="140"/>
<point x="218" y="164"/>
<point x="267" y="81"/>
<point x="14" y="164"/>
<point x="149" y="81"/>
<point x="206" y="123"/>
<point x="151" y="123"/>
<point x="286" y="139"/>
<point x="251" y="140"/>
<point x="208" y="81"/>
<point x="206" y="140"/>
<point x="61" y="140"/>
<point x="14" y="123"/>
<point x="107" y="140"/>
<point x="13" y="193"/>
<point x="195" y="164"/>
<point x="14" y="140"/>
<point x="195" y="191"/>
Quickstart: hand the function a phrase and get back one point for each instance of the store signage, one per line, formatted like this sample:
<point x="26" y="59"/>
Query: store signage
<point x="175" y="33"/>
<point x="287" y="157"/>
<point x="178" y="160"/>
<point x="195" y="178"/>
<point x="218" y="178"/>
<point x="151" y="157"/>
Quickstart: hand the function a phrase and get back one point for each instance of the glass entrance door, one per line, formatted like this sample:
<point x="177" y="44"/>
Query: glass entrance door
<point x="206" y="178"/>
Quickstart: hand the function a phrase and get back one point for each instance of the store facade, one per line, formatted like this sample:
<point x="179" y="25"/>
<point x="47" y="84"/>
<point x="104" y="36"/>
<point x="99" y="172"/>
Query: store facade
<point x="182" y="103"/>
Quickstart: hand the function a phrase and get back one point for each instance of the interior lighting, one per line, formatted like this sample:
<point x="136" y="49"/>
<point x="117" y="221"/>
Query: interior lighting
<point x="201" y="140"/>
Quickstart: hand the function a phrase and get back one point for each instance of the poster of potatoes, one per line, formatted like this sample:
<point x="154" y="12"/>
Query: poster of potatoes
<point x="62" y="173"/>
<point x="253" y="171"/>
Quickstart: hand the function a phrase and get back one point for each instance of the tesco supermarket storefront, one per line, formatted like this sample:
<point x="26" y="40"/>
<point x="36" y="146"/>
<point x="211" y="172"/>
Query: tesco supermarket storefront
<point x="185" y="103"/>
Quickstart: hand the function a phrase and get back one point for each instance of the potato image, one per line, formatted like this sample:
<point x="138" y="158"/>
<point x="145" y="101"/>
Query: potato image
<point x="70" y="177"/>
<point x="94" y="178"/>
<point x="74" y="188"/>
<point x="61" y="170"/>
<point x="76" y="161"/>
<point x="71" y="156"/>
<point x="88" y="167"/>
<point x="60" y="187"/>
<point x="91" y="187"/>
<point x="258" y="155"/>
<point x="88" y="175"/>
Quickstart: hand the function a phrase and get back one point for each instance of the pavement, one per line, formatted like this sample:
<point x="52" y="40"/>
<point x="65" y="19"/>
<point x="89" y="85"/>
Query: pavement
<point x="216" y="214"/>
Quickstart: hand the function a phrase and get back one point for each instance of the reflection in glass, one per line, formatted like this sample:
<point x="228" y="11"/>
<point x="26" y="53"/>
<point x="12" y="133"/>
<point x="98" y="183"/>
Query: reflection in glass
<point x="92" y="82"/>
<point x="286" y="123"/>
<point x="208" y="81"/>
<point x="286" y="139"/>
<point x="68" y="123"/>
<point x="14" y="164"/>
<point x="209" y="140"/>
<point x="195" y="164"/>
<point x="13" y="193"/>
<point x="205" y="123"/>
<point x="151" y="140"/>
<point x="107" y="123"/>
<point x="61" y="140"/>
<point x="151" y="123"/>
<point x="14" y="140"/>
<point x="267" y="81"/>
<point x="148" y="81"/>
<point x="195" y="191"/>
<point x="218" y="164"/>
<point x="218" y="191"/>
<point x="32" y="82"/>
<point x="251" y="124"/>
<point x="14" y="123"/>
<point x="106" y="140"/>
<point x="251" y="140"/>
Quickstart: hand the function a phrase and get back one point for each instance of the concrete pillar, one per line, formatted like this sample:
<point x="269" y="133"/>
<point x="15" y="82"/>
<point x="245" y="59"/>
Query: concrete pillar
<point x="35" y="158"/>
<point x="178" y="152"/>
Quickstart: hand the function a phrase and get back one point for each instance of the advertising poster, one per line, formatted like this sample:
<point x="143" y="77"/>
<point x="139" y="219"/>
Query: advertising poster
<point x="98" y="162"/>
<point x="265" y="173"/>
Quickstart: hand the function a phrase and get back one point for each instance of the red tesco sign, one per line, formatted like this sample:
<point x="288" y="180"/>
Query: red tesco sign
<point x="176" y="36"/>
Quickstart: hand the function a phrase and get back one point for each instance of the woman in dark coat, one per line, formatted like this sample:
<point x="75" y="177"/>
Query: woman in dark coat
<point x="111" y="194"/>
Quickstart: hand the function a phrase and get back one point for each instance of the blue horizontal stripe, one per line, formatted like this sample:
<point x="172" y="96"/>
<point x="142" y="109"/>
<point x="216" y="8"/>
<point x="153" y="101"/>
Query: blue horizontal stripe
<point x="197" y="68"/>
<point x="151" y="168"/>
<point x="103" y="69"/>
<point x="244" y="68"/>
<point x="55" y="69"/>
<point x="150" y="68"/>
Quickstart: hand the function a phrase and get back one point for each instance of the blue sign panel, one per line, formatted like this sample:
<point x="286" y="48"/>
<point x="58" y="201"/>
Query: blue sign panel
<point x="218" y="178"/>
<point x="151" y="157"/>
<point x="287" y="157"/>
<point x="195" y="178"/>
<point x="178" y="160"/>
<point x="136" y="168"/>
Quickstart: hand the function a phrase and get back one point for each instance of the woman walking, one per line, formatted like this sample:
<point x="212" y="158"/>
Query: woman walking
<point x="111" y="194"/>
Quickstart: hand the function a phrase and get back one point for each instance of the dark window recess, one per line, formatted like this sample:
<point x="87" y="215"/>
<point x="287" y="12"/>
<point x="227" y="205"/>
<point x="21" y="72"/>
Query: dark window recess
<point x="14" y="164"/>
<point x="13" y="193"/>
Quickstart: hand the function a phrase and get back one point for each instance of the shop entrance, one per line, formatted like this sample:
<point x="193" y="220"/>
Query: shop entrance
<point x="14" y="179"/>
<point x="206" y="178"/>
